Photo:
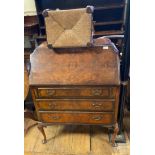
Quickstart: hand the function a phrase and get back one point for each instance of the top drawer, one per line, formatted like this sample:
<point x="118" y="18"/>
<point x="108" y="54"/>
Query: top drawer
<point x="88" y="92"/>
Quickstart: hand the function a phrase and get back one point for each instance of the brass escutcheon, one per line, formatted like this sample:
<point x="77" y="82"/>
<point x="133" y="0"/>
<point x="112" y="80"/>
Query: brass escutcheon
<point x="55" y="117"/>
<point x="97" y="118"/>
<point x="52" y="105"/>
<point x="51" y="92"/>
<point x="97" y="92"/>
<point x="96" y="105"/>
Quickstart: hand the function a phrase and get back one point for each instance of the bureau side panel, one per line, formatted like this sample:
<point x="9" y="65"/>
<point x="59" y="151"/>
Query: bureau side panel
<point x="34" y="93"/>
<point x="117" y="93"/>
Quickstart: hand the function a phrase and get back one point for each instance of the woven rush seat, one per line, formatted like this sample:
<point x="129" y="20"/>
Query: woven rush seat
<point x="69" y="28"/>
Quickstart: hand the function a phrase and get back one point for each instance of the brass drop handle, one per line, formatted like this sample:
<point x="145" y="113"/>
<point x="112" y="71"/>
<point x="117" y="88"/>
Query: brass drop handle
<point x="52" y="105"/>
<point x="97" y="118"/>
<point x="96" y="105"/>
<point x="50" y="92"/>
<point x="97" y="92"/>
<point x="55" y="117"/>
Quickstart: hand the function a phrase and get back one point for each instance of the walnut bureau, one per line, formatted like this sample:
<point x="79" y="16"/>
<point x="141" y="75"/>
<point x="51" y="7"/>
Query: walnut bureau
<point x="75" y="86"/>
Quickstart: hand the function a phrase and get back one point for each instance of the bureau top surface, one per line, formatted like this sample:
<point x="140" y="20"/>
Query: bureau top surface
<point x="78" y="66"/>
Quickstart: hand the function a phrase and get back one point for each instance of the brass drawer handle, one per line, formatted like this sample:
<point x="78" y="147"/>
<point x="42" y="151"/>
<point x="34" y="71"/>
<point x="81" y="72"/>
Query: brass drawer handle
<point x="96" y="105"/>
<point x="97" y="118"/>
<point x="52" y="105"/>
<point x="50" y="92"/>
<point x="55" y="117"/>
<point x="97" y="92"/>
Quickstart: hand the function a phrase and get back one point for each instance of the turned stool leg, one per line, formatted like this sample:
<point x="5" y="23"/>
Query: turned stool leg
<point x="41" y="129"/>
<point x="116" y="129"/>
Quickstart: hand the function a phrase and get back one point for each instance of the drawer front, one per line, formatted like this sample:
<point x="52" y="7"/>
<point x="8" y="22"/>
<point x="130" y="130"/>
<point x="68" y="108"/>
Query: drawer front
<point x="77" y="117"/>
<point x="86" y="105"/>
<point x="104" y="92"/>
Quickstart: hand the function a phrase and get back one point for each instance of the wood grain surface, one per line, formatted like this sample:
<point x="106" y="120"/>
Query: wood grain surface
<point x="73" y="140"/>
<point x="77" y="117"/>
<point x="77" y="66"/>
<point x="26" y="82"/>
<point x="75" y="73"/>
<point x="74" y="104"/>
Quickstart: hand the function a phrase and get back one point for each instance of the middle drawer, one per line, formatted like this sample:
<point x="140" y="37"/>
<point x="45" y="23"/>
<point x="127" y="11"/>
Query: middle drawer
<point x="76" y="104"/>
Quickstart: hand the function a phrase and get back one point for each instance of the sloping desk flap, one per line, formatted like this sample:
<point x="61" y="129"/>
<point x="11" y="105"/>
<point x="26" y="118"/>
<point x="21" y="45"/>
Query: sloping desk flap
<point x="85" y="66"/>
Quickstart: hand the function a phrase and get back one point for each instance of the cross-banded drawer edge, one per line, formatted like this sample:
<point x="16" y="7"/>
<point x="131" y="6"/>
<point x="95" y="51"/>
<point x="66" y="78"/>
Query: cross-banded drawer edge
<point x="75" y="92"/>
<point x="77" y="117"/>
<point x="76" y="104"/>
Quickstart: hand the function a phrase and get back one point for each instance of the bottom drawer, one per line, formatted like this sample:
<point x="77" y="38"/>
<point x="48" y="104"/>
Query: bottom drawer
<point x="77" y="117"/>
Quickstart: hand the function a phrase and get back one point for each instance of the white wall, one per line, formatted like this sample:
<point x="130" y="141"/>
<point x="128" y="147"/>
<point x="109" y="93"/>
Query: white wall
<point x="29" y="8"/>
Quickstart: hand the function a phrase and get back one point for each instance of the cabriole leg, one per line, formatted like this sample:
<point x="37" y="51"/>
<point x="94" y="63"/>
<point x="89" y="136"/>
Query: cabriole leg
<point x="116" y="130"/>
<point x="41" y="129"/>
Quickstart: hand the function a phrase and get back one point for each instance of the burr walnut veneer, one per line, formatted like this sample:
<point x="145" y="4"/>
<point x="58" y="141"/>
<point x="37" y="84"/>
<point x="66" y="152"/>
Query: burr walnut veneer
<point x="75" y="86"/>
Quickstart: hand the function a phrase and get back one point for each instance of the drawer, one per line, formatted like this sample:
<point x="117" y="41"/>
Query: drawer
<point x="79" y="104"/>
<point x="102" y="92"/>
<point x="77" y="117"/>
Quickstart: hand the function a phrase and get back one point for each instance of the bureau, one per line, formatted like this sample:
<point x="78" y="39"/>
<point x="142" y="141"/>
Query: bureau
<point x="75" y="86"/>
